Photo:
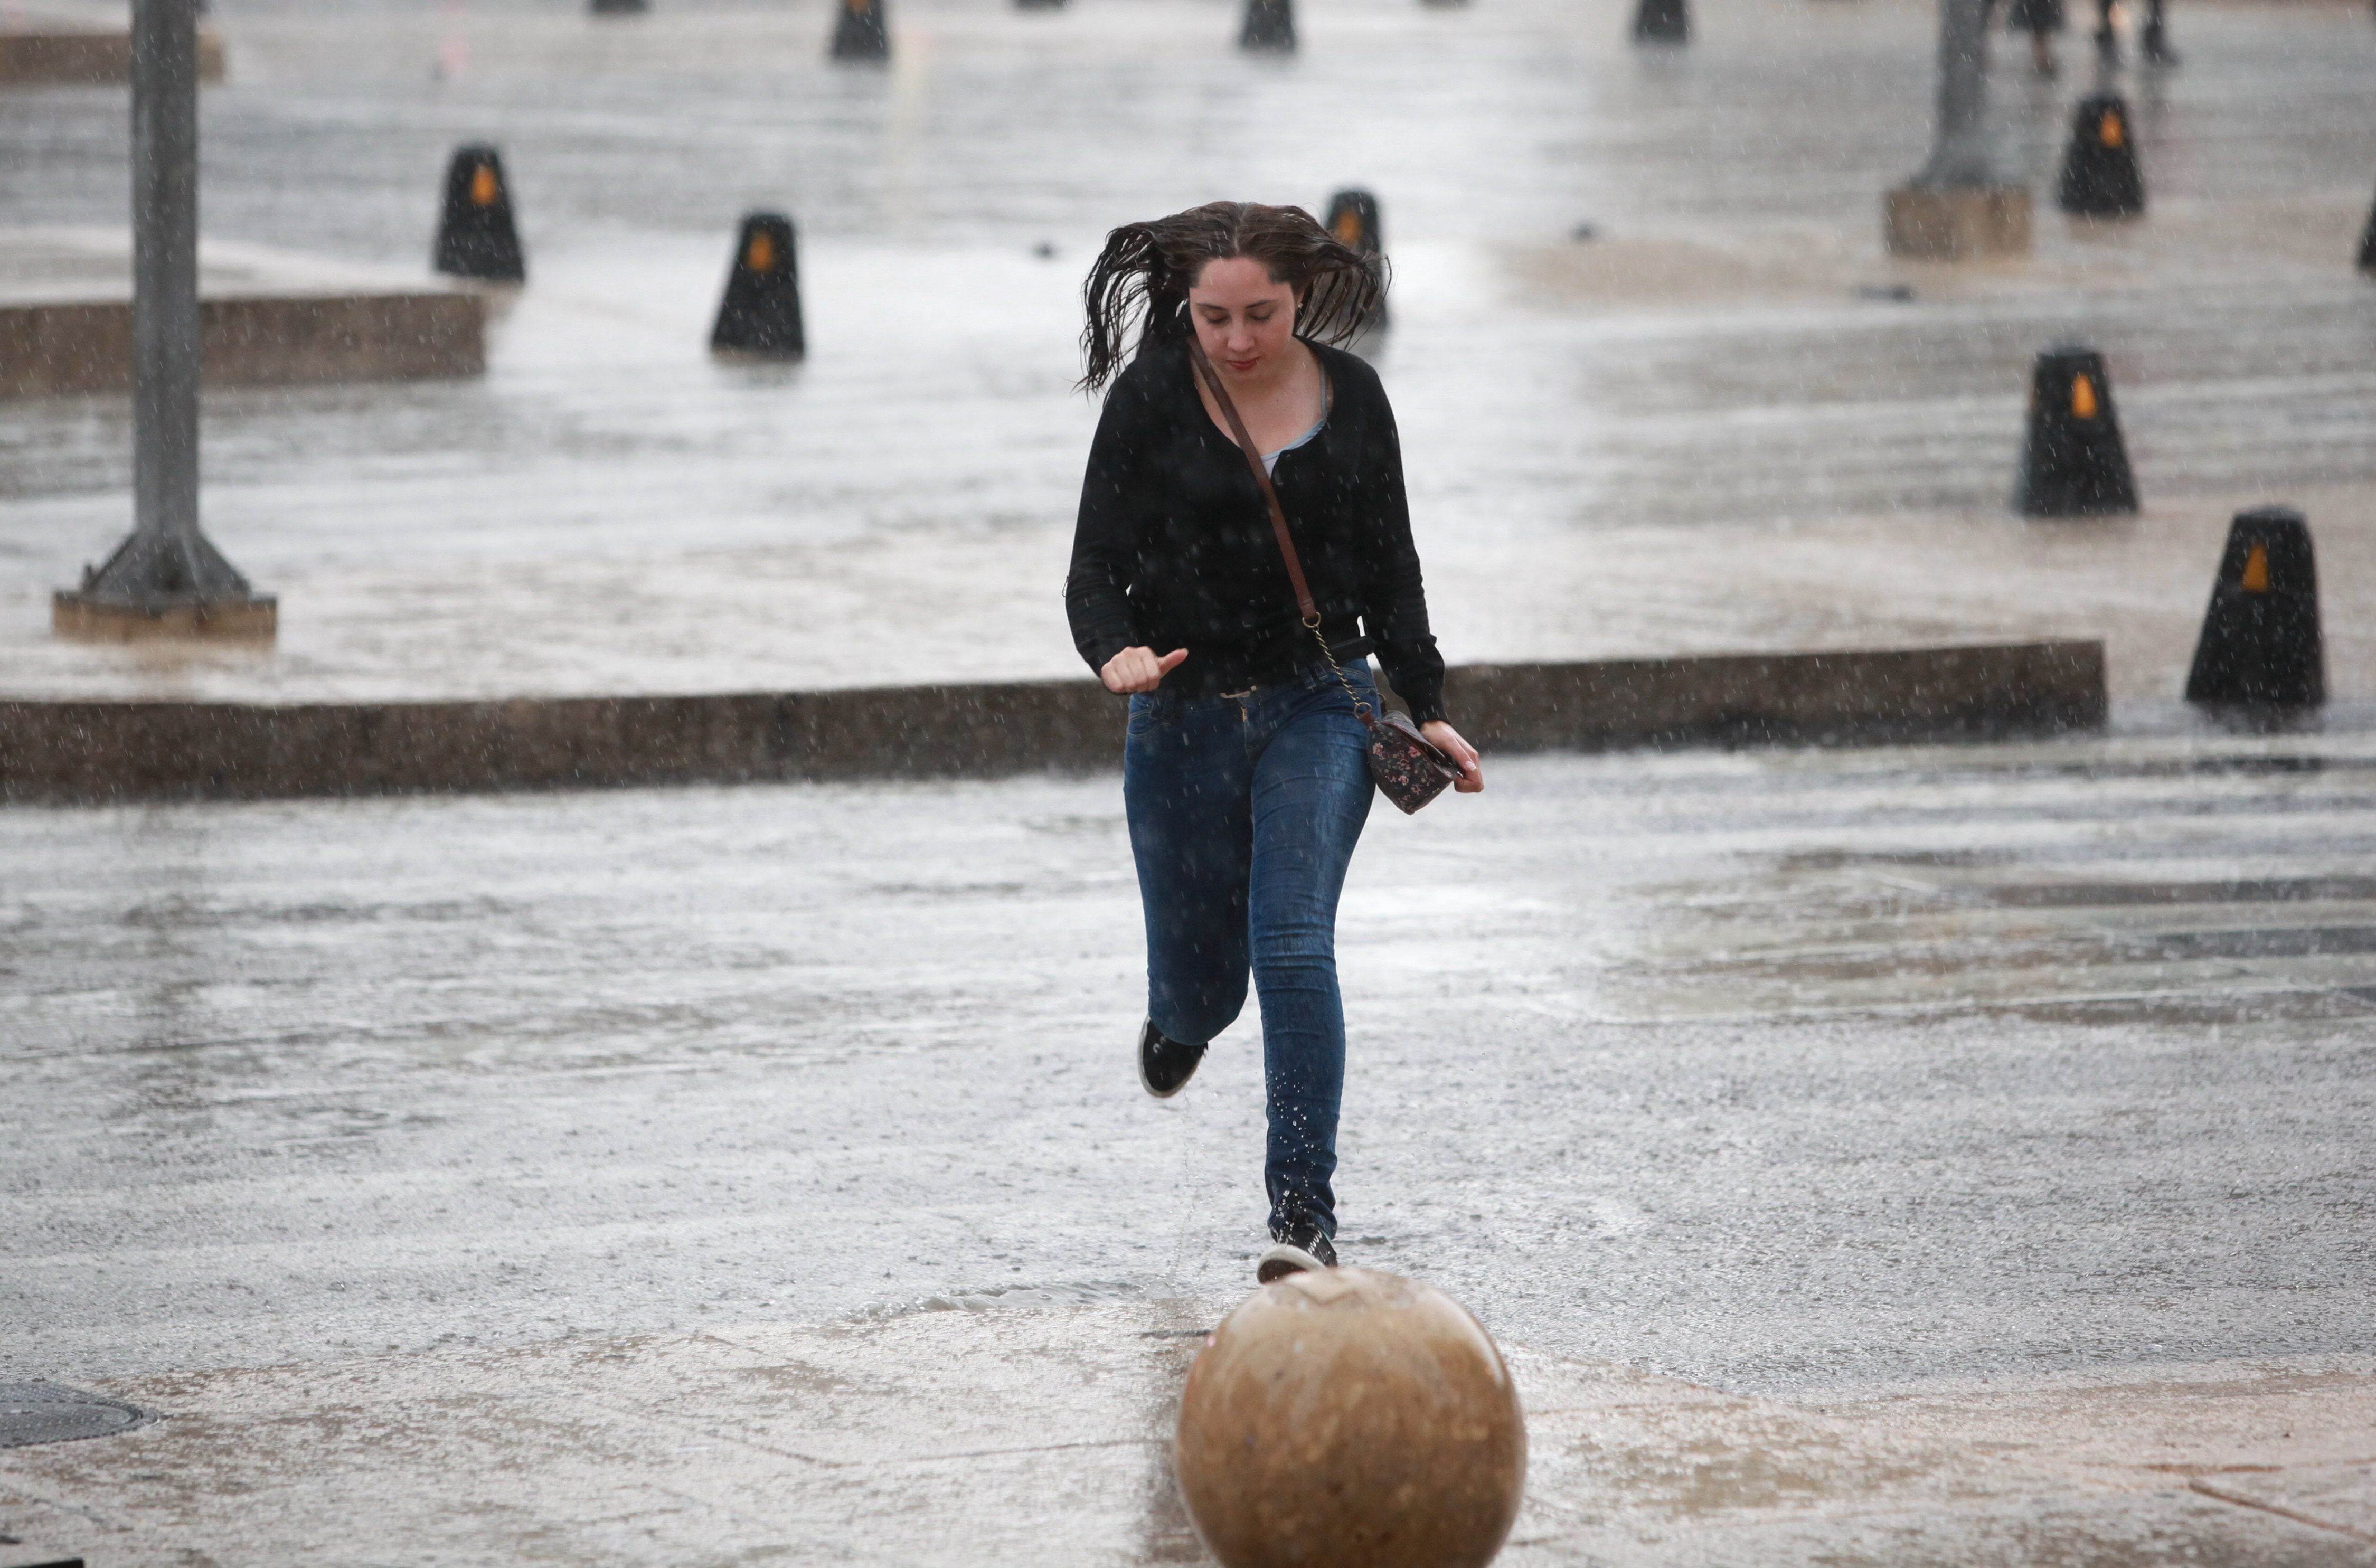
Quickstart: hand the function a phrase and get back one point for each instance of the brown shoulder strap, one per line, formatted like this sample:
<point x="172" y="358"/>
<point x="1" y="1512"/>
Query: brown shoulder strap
<point x="1212" y="380"/>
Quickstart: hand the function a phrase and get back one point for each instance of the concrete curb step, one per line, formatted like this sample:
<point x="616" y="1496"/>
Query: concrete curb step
<point x="266" y="318"/>
<point x="75" y="348"/>
<point x="73" y="56"/>
<point x="94" y="752"/>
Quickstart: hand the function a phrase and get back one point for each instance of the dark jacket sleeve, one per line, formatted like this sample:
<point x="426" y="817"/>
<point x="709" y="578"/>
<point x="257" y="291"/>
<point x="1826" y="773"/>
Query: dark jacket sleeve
<point x="1393" y="599"/>
<point x="1106" y="533"/>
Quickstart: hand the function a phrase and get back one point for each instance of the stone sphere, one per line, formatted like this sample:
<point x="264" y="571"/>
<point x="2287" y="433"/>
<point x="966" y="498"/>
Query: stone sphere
<point x="1349" y="1419"/>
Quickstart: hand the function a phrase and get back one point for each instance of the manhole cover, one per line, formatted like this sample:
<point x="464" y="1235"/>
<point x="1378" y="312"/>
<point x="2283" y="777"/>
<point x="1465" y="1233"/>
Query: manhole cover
<point x="48" y="1412"/>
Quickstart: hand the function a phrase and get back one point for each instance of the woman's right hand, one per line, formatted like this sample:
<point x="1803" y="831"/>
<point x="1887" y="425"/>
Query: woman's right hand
<point x="1139" y="668"/>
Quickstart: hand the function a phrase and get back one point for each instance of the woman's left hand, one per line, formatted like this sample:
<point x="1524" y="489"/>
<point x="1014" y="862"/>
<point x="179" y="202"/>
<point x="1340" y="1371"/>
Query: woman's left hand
<point x="1445" y="739"/>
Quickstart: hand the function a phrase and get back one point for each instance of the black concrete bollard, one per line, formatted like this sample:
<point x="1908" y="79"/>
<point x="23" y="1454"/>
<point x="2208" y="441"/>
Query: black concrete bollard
<point x="2073" y="464"/>
<point x="1270" y="24"/>
<point x="475" y="235"/>
<point x="1662" y="21"/>
<point x="1038" y="5"/>
<point x="618" y="7"/>
<point x="2099" y="171"/>
<point x="2261" y="644"/>
<point x="761" y="313"/>
<point x="861" y="32"/>
<point x="2368" y="244"/>
<point x="1353" y="219"/>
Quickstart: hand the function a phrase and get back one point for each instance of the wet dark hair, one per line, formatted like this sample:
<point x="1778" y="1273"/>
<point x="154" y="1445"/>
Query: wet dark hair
<point x="1147" y="268"/>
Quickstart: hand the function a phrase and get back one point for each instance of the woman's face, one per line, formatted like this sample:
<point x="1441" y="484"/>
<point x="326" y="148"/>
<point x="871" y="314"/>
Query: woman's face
<point x="1244" y="320"/>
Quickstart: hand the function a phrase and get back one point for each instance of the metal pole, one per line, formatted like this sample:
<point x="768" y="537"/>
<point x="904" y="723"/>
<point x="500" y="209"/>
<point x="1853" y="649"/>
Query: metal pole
<point x="1961" y="156"/>
<point x="165" y="274"/>
<point x="166" y="580"/>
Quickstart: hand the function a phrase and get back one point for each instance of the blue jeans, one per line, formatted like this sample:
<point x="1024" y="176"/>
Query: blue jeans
<point x="1243" y="813"/>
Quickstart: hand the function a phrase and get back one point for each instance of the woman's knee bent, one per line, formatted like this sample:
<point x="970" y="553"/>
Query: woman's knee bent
<point x="1195" y="1014"/>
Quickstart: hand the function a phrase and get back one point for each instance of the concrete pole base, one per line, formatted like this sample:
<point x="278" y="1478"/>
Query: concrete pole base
<point x="1955" y="223"/>
<point x="223" y="620"/>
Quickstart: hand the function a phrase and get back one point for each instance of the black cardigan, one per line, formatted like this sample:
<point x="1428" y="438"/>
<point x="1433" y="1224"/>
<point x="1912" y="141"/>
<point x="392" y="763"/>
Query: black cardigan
<point x="1173" y="547"/>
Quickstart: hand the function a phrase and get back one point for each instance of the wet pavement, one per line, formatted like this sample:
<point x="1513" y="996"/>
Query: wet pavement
<point x="1034" y="1434"/>
<point x="1693" y="433"/>
<point x="1911" y="1156"/>
<point x="1854" y="1106"/>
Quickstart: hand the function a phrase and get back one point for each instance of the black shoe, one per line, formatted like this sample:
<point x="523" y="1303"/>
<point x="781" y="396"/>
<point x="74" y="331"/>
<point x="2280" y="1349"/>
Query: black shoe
<point x="1165" y="1065"/>
<point x="1305" y="1246"/>
<point x="2158" y="51"/>
<point x="2108" y="47"/>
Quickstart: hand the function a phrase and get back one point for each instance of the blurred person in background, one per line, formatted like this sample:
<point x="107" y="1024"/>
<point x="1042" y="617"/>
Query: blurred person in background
<point x="2153" y="43"/>
<point x="2041" y="20"/>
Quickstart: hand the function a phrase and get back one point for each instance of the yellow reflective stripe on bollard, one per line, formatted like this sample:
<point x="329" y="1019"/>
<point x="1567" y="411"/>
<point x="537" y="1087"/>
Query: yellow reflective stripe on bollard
<point x="483" y="186"/>
<point x="2113" y="132"/>
<point x="2082" y="397"/>
<point x="761" y="255"/>
<point x="2256" y="570"/>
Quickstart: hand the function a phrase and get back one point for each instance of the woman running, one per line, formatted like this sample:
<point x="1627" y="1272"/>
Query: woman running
<point x="1244" y="775"/>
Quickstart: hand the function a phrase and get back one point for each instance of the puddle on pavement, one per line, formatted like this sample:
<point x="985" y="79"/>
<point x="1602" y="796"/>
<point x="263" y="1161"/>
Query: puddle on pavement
<point x="2216" y="926"/>
<point x="2103" y="894"/>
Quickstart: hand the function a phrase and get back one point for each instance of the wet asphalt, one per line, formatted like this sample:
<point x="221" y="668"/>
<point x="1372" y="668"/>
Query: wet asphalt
<point x="1775" y="1071"/>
